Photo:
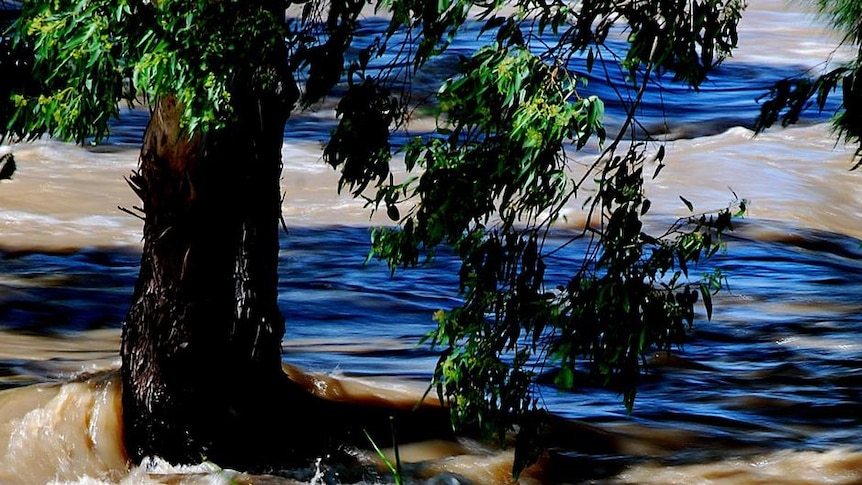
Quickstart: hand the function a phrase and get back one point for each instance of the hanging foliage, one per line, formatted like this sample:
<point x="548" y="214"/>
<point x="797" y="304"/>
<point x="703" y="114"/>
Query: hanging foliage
<point x="490" y="182"/>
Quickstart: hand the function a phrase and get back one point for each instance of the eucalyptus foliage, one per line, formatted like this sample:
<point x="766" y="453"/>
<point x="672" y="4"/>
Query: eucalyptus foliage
<point x="789" y="97"/>
<point x="91" y="54"/>
<point x="490" y="182"/>
<point x="495" y="177"/>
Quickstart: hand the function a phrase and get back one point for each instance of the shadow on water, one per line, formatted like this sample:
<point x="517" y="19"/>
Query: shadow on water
<point x="66" y="292"/>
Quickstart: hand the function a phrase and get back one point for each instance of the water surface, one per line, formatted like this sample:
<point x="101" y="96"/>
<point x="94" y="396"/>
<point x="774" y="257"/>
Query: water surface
<point x="766" y="392"/>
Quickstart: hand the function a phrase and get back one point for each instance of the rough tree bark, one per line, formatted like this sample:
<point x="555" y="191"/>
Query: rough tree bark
<point x="201" y="348"/>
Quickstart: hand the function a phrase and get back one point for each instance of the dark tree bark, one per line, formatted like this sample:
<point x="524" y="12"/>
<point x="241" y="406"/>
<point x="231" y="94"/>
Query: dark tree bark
<point x="201" y="349"/>
<point x="202" y="341"/>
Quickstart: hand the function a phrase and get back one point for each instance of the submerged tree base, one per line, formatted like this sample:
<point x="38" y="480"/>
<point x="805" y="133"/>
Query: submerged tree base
<point x="288" y="426"/>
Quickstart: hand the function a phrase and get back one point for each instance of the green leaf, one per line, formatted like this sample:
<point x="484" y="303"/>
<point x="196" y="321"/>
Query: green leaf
<point x="565" y="378"/>
<point x="706" y="295"/>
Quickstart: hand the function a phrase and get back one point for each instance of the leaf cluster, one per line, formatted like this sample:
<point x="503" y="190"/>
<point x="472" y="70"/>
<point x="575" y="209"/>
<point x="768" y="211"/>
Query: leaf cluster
<point x="494" y="178"/>
<point x="788" y="98"/>
<point x="495" y="163"/>
<point x="498" y="151"/>
<point x="687" y="42"/>
<point x="686" y="39"/>
<point x="633" y="294"/>
<point x="190" y="52"/>
<point x="81" y="58"/>
<point x="76" y="67"/>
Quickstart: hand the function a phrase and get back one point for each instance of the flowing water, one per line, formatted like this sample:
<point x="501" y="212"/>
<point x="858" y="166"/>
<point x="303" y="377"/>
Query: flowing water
<point x="769" y="391"/>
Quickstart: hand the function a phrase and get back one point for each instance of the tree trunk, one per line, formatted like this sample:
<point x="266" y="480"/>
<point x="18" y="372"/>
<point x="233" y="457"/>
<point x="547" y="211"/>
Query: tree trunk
<point x="201" y="346"/>
<point x="201" y="350"/>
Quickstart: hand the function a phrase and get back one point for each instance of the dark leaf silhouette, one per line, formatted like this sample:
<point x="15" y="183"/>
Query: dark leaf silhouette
<point x="8" y="166"/>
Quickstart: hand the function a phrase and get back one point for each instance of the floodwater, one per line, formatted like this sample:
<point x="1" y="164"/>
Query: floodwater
<point x="769" y="391"/>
